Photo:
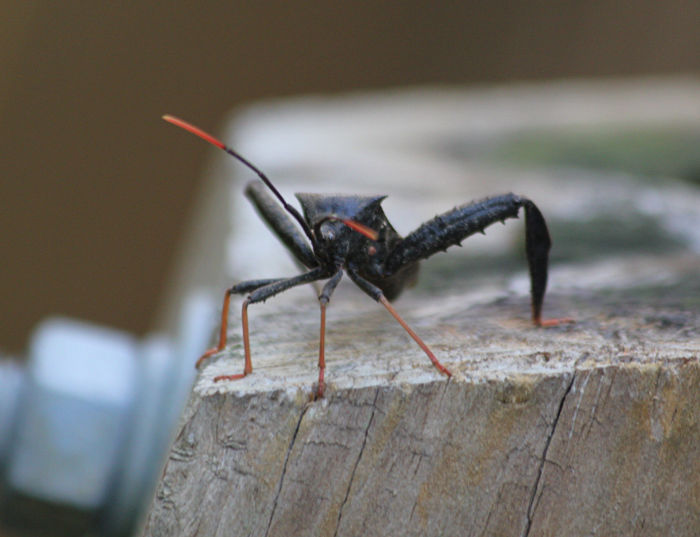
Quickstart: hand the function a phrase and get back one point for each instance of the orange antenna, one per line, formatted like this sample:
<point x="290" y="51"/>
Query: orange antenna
<point x="218" y="143"/>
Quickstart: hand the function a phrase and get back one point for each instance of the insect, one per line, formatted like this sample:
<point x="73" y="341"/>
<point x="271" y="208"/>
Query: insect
<point x="352" y="235"/>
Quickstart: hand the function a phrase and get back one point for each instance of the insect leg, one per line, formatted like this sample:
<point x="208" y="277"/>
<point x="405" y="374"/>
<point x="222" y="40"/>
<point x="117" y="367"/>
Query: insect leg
<point x="259" y="294"/>
<point x="452" y="227"/>
<point x="377" y="294"/>
<point x="323" y="299"/>
<point x="537" y="245"/>
<point x="280" y="223"/>
<point x="243" y="287"/>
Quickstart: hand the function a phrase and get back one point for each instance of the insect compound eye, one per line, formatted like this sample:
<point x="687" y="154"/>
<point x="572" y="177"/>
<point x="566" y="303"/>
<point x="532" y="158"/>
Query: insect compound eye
<point x="327" y="231"/>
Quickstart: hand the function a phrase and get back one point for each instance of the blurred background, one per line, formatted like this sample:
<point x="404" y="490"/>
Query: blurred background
<point x="95" y="190"/>
<point x="97" y="193"/>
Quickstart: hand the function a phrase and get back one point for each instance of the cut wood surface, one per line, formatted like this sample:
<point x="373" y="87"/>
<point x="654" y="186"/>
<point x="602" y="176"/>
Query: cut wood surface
<point x="590" y="428"/>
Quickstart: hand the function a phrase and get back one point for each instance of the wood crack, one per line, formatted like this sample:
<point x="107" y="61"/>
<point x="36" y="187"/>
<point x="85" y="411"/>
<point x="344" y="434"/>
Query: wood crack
<point x="531" y="504"/>
<point x="357" y="462"/>
<point x="284" y="469"/>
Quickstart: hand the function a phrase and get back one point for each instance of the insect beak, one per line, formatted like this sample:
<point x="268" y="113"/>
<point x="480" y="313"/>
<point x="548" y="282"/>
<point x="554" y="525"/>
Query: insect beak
<point x="360" y="228"/>
<point x="352" y="224"/>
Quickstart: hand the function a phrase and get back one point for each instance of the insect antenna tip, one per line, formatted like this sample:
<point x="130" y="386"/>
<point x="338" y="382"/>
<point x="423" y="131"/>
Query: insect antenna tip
<point x="194" y="130"/>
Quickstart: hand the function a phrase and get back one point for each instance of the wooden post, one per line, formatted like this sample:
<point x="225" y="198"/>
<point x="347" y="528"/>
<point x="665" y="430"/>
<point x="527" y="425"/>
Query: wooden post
<point x="563" y="431"/>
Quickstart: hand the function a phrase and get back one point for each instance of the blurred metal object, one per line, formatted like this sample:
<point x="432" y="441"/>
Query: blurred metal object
<point x="73" y="417"/>
<point x="84" y="427"/>
<point x="12" y="379"/>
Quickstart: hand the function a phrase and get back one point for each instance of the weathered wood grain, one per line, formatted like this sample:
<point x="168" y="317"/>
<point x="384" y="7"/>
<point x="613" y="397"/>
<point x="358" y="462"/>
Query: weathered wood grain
<point x="592" y="428"/>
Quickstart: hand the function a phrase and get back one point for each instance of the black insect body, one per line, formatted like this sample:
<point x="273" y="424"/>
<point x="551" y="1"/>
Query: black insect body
<point x="351" y="234"/>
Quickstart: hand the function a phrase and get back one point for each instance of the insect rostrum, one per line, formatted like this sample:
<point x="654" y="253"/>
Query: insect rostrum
<point x="352" y="235"/>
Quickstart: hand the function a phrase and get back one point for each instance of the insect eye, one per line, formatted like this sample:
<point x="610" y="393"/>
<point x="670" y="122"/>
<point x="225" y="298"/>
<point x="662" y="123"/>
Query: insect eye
<point x="327" y="231"/>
